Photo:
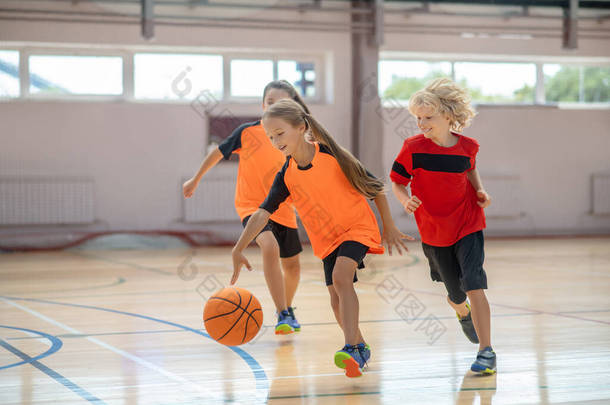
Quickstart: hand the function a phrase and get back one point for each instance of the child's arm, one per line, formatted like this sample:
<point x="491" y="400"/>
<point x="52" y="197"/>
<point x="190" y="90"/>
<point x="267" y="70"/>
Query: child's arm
<point x="475" y="180"/>
<point x="391" y="235"/>
<point x="410" y="203"/>
<point x="255" y="225"/>
<point x="189" y="187"/>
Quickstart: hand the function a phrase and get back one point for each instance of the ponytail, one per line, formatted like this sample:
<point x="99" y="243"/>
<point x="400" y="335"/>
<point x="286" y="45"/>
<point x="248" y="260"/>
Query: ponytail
<point x="291" y="112"/>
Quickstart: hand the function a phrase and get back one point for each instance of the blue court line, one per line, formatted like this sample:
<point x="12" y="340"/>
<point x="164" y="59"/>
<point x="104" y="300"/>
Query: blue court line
<point x="119" y="281"/>
<point x="85" y="335"/>
<point x="262" y="382"/>
<point x="55" y="346"/>
<point x="113" y="261"/>
<point x="52" y="373"/>
<point x="152" y="332"/>
<point x="584" y="311"/>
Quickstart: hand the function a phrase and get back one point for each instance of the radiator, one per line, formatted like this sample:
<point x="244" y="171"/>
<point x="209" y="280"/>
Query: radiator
<point x="504" y="191"/>
<point x="213" y="201"/>
<point x="601" y="194"/>
<point x="46" y="201"/>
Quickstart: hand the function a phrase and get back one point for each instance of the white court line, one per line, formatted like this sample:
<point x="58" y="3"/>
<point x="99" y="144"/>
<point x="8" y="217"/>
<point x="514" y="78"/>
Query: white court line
<point x="123" y="353"/>
<point x="39" y="339"/>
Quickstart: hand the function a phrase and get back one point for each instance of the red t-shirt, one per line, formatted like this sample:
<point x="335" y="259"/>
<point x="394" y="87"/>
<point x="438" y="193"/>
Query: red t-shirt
<point x="438" y="177"/>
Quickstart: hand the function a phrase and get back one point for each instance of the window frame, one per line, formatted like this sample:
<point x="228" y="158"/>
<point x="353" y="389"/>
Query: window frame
<point x="131" y="97"/>
<point x="317" y="59"/>
<point x="26" y="52"/>
<point x="127" y="53"/>
<point x="539" y="61"/>
<point x="20" y="68"/>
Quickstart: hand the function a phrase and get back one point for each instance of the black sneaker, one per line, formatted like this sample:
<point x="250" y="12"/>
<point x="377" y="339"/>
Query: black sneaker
<point x="468" y="326"/>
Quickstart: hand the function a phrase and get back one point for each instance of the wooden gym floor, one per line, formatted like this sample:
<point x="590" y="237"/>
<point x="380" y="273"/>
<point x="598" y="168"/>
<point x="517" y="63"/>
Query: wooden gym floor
<point x="124" y="327"/>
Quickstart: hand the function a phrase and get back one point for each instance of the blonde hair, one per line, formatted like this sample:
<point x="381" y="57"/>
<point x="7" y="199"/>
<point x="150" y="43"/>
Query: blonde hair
<point x="445" y="97"/>
<point x="291" y="112"/>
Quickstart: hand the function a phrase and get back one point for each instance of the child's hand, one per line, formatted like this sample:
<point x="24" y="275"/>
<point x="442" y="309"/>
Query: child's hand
<point x="238" y="260"/>
<point x="393" y="237"/>
<point x="189" y="187"/>
<point x="412" y="204"/>
<point x="484" y="199"/>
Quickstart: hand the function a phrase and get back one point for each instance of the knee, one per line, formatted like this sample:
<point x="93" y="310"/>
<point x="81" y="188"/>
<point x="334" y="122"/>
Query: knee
<point x="475" y="293"/>
<point x="292" y="268"/>
<point x="455" y="293"/>
<point x="342" y="280"/>
<point x="269" y="248"/>
<point x="456" y="299"/>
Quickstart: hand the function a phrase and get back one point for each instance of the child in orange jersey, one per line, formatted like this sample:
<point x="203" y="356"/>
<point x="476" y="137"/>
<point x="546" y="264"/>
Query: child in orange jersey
<point x="278" y="239"/>
<point x="329" y="189"/>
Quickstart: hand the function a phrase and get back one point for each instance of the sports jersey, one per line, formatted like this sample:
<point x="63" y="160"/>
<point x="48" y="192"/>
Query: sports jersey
<point x="438" y="177"/>
<point x="331" y="209"/>
<point x="259" y="161"/>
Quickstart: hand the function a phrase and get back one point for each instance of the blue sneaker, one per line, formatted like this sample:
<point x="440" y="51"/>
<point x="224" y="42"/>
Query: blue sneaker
<point x="468" y="326"/>
<point x="485" y="362"/>
<point x="294" y="323"/>
<point x="365" y="351"/>
<point x="283" y="326"/>
<point x="350" y="359"/>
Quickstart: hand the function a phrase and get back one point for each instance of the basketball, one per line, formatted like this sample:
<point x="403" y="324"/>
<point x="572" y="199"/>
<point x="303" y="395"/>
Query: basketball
<point x="232" y="316"/>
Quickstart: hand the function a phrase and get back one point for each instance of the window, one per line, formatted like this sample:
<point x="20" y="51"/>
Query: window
<point x="158" y="74"/>
<point x="301" y="75"/>
<point x="249" y="77"/>
<point x="497" y="82"/>
<point x="176" y="76"/>
<point x="76" y="75"/>
<point x="576" y="84"/>
<point x="9" y="73"/>
<point x="400" y="79"/>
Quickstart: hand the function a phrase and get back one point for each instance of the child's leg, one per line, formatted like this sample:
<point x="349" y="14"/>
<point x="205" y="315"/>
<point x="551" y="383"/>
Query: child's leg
<point x="334" y="303"/>
<point x="445" y="267"/>
<point x="444" y="264"/>
<point x="272" y="270"/>
<point x="292" y="276"/>
<point x="470" y="253"/>
<point x="481" y="317"/>
<point x="343" y="281"/>
<point x="461" y="309"/>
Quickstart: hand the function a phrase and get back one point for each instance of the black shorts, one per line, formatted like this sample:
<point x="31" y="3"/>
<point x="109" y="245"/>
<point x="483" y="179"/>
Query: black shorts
<point x="459" y="266"/>
<point x="352" y="249"/>
<point x="287" y="238"/>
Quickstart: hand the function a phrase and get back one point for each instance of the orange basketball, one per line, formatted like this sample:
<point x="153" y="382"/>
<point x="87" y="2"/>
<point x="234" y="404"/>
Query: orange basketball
<point x="232" y="316"/>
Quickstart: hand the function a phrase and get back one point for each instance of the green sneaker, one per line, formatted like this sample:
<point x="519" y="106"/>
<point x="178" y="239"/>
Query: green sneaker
<point x="283" y="326"/>
<point x="294" y="323"/>
<point x="365" y="351"/>
<point x="349" y="358"/>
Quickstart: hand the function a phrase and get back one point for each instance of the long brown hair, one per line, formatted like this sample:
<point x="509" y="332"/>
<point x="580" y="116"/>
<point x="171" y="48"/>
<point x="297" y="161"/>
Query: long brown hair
<point x="291" y="112"/>
<point x="288" y="88"/>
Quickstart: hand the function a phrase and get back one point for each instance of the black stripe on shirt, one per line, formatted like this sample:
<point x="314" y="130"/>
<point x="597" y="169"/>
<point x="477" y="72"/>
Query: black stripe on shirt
<point x="233" y="142"/>
<point x="278" y="192"/>
<point x="400" y="169"/>
<point x="441" y="163"/>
